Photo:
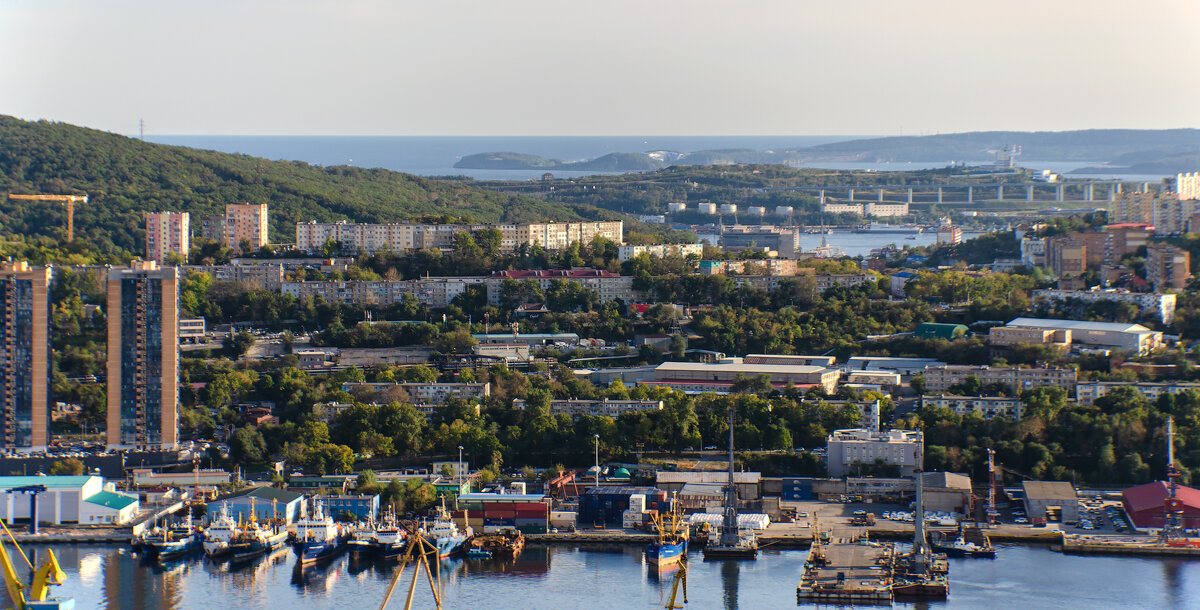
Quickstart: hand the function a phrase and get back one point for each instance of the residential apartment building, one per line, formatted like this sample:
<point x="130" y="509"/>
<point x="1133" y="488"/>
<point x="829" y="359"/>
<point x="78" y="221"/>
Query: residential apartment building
<point x="167" y="233"/>
<point x="625" y="253"/>
<point x="1033" y="251"/>
<point x="1131" y="338"/>
<point x="596" y="408"/>
<point x="608" y="285"/>
<point x="846" y="450"/>
<point x="143" y="356"/>
<point x="420" y="393"/>
<point x="779" y="267"/>
<point x="212" y="228"/>
<point x="1168" y="267"/>
<point x="949" y="235"/>
<point x="246" y="222"/>
<point x="435" y="292"/>
<point x="1186" y="186"/>
<point x="938" y="379"/>
<point x="986" y="406"/>
<point x="1160" y="305"/>
<point x="1086" y="392"/>
<point x="267" y="276"/>
<point x="740" y="237"/>
<point x="24" y="356"/>
<point x="403" y="236"/>
<point x="1168" y="212"/>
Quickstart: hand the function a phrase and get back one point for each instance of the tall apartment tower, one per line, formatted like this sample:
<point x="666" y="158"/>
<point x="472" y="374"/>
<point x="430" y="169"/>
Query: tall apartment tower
<point x="167" y="232"/>
<point x="246" y="221"/>
<point x="24" y="356"/>
<point x="143" y="356"/>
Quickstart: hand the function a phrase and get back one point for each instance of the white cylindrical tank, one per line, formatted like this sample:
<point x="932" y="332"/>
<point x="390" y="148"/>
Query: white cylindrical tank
<point x="707" y="208"/>
<point x="783" y="210"/>
<point x="729" y="208"/>
<point x="676" y="206"/>
<point x="756" y="210"/>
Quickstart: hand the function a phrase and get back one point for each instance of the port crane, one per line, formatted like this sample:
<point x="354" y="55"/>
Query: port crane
<point x="37" y="592"/>
<point x="68" y="201"/>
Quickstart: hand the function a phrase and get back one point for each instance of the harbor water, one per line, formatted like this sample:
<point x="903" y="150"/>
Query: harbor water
<point x="604" y="577"/>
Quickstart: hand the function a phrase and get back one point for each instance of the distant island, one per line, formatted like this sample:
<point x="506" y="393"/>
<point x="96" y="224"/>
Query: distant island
<point x="1148" y="151"/>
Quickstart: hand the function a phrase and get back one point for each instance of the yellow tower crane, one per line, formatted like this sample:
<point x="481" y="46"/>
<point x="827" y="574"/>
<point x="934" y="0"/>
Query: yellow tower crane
<point x="67" y="200"/>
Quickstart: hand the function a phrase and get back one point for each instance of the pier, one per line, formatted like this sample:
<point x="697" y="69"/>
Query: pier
<point x="854" y="573"/>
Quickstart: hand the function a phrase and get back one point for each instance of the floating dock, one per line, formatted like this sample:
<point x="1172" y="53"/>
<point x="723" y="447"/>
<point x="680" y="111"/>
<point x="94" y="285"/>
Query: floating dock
<point x="848" y="573"/>
<point x="1079" y="545"/>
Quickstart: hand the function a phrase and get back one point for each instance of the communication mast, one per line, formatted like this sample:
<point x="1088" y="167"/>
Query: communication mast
<point x="992" y="514"/>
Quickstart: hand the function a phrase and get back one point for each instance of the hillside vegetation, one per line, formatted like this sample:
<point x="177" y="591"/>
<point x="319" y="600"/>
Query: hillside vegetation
<point x="125" y="177"/>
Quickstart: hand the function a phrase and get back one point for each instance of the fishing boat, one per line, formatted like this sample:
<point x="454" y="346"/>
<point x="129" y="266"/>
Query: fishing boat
<point x="220" y="533"/>
<point x="175" y="541"/>
<point x="672" y="540"/>
<point x="317" y="536"/>
<point x="387" y="539"/>
<point x="256" y="539"/>
<point x="445" y="535"/>
<point x="504" y="545"/>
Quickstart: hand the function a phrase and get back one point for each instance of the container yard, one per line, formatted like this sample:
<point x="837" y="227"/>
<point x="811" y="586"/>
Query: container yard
<point x="490" y="513"/>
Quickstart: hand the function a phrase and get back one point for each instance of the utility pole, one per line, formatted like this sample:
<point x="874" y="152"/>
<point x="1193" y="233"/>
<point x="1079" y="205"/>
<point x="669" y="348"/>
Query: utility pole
<point x="596" y="483"/>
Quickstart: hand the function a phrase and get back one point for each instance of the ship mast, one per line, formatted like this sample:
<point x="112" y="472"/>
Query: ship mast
<point x="992" y="514"/>
<point x="729" y="530"/>
<point x="1172" y="508"/>
<point x="920" y="550"/>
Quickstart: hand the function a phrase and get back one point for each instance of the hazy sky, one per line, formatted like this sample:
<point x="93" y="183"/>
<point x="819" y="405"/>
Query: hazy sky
<point x="572" y="67"/>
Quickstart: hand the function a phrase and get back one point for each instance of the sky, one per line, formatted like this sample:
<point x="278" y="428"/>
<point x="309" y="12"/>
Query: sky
<point x="576" y="67"/>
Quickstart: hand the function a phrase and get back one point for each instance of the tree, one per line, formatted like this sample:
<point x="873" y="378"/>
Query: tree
<point x="67" y="467"/>
<point x="238" y="344"/>
<point x="247" y="446"/>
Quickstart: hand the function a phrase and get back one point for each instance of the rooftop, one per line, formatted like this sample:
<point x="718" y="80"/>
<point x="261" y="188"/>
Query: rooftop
<point x="1078" y="325"/>
<point x="111" y="500"/>
<point x="48" y="481"/>
<point x="530" y="274"/>
<point x="741" y="367"/>
<point x="1049" y="490"/>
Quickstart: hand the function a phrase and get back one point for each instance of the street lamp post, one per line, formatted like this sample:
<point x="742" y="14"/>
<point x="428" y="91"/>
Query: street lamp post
<point x="458" y="466"/>
<point x="596" y="481"/>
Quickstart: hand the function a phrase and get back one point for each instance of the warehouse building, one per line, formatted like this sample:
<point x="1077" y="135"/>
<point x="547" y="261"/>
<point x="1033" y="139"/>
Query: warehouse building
<point x="1144" y="504"/>
<point x="1045" y="500"/>
<point x="1131" y="338"/>
<point x="86" y="500"/>
<point x="695" y="377"/>
<point x="263" y="503"/>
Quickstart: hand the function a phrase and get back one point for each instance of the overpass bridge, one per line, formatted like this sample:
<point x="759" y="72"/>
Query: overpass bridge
<point x="951" y="192"/>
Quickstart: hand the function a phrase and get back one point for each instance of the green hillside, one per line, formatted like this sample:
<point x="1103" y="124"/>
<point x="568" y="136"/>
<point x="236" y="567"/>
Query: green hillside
<point x="125" y="177"/>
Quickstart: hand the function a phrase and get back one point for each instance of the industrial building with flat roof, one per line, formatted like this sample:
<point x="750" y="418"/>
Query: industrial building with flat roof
<point x="720" y="377"/>
<point x="1132" y="338"/>
<point x="1043" y="498"/>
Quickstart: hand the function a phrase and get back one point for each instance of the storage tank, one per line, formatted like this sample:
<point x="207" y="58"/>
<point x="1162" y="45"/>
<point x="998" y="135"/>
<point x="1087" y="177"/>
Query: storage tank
<point x="756" y="210"/>
<point x="676" y="206"/>
<point x="783" y="210"/>
<point x="729" y="208"/>
<point x="707" y="208"/>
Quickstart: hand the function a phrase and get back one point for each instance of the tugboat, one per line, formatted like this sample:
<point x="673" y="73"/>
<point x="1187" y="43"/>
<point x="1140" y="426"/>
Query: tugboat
<point x="175" y="542"/>
<point x="218" y="535"/>
<point x="504" y="545"/>
<point x="318" y="537"/>
<point x="672" y="541"/>
<point x="733" y="542"/>
<point x="970" y="542"/>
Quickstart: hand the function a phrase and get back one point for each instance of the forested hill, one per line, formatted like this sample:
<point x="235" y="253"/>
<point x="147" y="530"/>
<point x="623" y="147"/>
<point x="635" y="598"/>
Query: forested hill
<point x="125" y="177"/>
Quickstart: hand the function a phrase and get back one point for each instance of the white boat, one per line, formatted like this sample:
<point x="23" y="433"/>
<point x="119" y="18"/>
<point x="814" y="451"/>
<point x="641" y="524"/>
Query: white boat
<point x="219" y="535"/>
<point x="318" y="536"/>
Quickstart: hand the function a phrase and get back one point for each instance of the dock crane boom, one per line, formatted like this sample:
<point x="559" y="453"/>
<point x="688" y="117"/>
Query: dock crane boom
<point x="68" y="201"/>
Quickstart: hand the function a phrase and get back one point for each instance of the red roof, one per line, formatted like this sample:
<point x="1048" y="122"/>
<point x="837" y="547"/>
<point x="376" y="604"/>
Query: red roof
<point x="1130" y="225"/>
<point x="1146" y="502"/>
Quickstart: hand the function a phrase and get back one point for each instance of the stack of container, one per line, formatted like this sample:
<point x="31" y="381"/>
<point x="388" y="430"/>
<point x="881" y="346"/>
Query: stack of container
<point x="490" y="513"/>
<point x="606" y="506"/>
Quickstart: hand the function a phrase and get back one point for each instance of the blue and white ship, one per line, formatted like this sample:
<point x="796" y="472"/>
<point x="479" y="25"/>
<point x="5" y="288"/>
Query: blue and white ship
<point x="672" y="542"/>
<point x="317" y="537"/>
<point x="446" y="536"/>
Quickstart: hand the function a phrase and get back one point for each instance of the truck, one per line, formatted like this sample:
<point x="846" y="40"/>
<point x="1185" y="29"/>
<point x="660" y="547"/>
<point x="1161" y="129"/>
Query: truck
<point x="862" y="517"/>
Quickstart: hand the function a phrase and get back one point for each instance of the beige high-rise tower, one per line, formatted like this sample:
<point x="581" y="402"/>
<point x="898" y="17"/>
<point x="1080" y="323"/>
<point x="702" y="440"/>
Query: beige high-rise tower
<point x="166" y="233"/>
<point x="24" y="356"/>
<point x="143" y="356"/>
<point x="248" y="222"/>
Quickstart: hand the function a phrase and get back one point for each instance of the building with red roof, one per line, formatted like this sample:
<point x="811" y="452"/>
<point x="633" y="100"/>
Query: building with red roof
<point x="1144" y="504"/>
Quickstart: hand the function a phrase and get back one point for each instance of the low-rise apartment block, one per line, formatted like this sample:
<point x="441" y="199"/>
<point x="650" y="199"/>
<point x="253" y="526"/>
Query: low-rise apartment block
<point x="938" y="379"/>
<point x="1168" y="267"/>
<point x="608" y="285"/>
<point x="424" y="393"/>
<point x="1086" y="392"/>
<point x="986" y="406"/>
<point x="1160" y="305"/>
<point x="598" y="408"/>
<point x="404" y="236"/>
<point x="625" y="253"/>
<point x="847" y="450"/>
<point x="266" y="276"/>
